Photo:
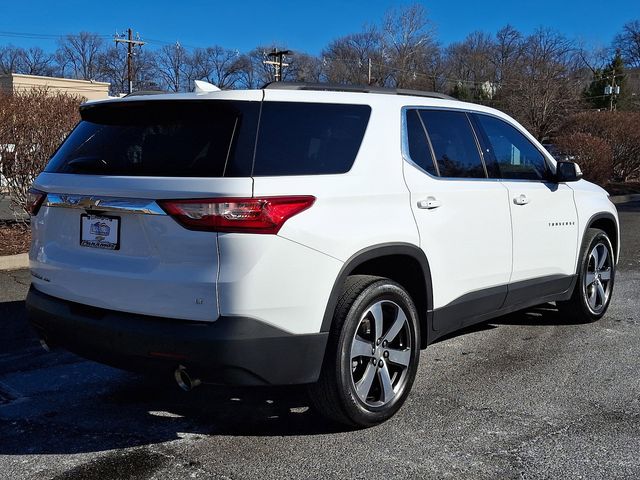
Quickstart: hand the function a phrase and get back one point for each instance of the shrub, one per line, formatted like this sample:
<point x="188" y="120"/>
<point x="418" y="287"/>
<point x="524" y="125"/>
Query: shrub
<point x="593" y="154"/>
<point x="620" y="131"/>
<point x="32" y="125"/>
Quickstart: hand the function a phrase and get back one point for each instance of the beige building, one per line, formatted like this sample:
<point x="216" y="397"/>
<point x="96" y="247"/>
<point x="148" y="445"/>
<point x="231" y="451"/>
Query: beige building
<point x="88" y="89"/>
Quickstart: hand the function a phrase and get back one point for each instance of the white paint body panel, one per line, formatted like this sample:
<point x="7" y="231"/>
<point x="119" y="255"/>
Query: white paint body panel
<point x="161" y="269"/>
<point x="468" y="238"/>
<point x="274" y="280"/>
<point x="545" y="230"/>
<point x="478" y="238"/>
<point x="591" y="200"/>
<point x="362" y="208"/>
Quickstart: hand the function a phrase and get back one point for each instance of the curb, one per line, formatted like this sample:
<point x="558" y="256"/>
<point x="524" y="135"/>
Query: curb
<point x="14" y="262"/>
<point x="634" y="197"/>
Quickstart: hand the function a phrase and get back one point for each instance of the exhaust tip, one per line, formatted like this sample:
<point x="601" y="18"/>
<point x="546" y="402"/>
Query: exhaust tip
<point x="184" y="380"/>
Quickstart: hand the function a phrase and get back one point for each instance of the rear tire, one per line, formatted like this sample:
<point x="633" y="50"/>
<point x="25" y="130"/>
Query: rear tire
<point x="596" y="274"/>
<point x="372" y="354"/>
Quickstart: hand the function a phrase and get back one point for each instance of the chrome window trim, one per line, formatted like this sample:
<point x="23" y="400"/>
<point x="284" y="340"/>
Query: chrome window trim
<point x="407" y="158"/>
<point x="104" y="204"/>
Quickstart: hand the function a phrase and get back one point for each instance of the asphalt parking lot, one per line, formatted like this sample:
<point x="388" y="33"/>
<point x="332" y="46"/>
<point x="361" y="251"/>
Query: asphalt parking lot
<point x="525" y="396"/>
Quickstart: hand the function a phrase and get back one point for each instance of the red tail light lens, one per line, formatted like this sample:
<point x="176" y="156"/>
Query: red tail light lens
<point x="34" y="201"/>
<point x="241" y="215"/>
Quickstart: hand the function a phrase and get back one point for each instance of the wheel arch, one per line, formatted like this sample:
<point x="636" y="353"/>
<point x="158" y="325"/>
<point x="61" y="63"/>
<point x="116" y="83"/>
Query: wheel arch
<point x="606" y="222"/>
<point x="403" y="263"/>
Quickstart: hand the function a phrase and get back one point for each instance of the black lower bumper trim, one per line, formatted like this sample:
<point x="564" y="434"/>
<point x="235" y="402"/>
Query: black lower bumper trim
<point x="231" y="350"/>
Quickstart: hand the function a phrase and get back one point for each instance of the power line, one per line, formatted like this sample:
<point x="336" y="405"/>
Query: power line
<point x="42" y="36"/>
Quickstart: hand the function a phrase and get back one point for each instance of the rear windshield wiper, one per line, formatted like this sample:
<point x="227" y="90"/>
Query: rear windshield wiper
<point x="87" y="164"/>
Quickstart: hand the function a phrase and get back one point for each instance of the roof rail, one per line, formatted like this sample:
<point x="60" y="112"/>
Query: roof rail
<point x="329" y="87"/>
<point x="140" y="93"/>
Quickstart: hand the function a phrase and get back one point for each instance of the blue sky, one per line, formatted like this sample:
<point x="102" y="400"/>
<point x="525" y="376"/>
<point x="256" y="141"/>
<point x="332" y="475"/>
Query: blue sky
<point x="304" y="26"/>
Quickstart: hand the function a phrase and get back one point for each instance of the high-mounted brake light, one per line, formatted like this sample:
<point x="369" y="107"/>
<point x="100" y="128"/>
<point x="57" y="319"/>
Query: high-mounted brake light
<point x="241" y="215"/>
<point x="34" y="201"/>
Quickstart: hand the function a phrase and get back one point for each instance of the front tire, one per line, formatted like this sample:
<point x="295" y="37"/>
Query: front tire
<point x="596" y="275"/>
<point x="372" y="355"/>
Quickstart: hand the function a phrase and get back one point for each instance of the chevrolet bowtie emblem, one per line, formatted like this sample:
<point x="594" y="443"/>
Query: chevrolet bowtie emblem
<point x="88" y="203"/>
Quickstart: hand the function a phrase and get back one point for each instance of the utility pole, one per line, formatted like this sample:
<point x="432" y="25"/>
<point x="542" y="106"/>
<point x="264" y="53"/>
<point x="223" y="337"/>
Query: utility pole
<point x="277" y="55"/>
<point x="369" y="82"/>
<point x="613" y="90"/>
<point x="130" y="44"/>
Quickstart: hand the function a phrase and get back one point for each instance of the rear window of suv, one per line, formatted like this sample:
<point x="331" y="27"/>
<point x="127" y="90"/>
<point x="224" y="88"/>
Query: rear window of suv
<point x="158" y="138"/>
<point x="213" y="138"/>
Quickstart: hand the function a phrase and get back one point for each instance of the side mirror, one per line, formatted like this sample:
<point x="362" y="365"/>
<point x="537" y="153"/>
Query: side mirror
<point x="568" y="172"/>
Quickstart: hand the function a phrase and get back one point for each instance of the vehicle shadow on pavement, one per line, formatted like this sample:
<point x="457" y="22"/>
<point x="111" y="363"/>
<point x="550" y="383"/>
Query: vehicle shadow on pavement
<point x="542" y="315"/>
<point x="15" y="331"/>
<point x="87" y="407"/>
<point x="57" y="403"/>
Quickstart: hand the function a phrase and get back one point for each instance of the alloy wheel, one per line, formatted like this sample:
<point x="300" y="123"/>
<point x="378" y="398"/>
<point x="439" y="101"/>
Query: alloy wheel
<point x="597" y="279"/>
<point x="381" y="354"/>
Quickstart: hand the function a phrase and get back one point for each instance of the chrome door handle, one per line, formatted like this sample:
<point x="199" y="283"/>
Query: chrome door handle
<point x="429" y="203"/>
<point x="521" y="199"/>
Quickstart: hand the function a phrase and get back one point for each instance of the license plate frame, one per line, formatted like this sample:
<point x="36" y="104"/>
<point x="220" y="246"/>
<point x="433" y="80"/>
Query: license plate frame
<point x="97" y="231"/>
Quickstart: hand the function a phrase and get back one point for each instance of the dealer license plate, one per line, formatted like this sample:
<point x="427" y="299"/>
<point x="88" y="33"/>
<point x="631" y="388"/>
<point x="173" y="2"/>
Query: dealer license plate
<point x="99" y="231"/>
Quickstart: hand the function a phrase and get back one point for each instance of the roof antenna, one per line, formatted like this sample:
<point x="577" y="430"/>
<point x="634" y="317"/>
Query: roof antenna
<point x="204" y="87"/>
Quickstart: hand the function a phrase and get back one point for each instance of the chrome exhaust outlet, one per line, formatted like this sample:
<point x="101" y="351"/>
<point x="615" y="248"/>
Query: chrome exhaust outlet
<point x="184" y="380"/>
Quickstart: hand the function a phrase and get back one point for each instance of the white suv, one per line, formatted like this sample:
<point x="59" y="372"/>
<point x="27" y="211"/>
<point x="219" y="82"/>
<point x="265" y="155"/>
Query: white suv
<point x="305" y="234"/>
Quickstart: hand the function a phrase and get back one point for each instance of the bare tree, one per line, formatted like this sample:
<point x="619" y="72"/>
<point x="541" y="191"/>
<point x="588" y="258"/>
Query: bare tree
<point x="471" y="66"/>
<point x="305" y="68"/>
<point x="628" y="41"/>
<point x="79" y="55"/>
<point x="173" y="67"/>
<point x="544" y="90"/>
<point x="507" y="54"/>
<point x="402" y="52"/>
<point x="346" y="60"/>
<point x="409" y="46"/>
<point x="11" y="58"/>
<point x="36" y="61"/>
<point x="217" y="65"/>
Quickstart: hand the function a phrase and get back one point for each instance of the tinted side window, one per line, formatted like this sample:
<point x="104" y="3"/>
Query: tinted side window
<point x="161" y="138"/>
<point x="515" y="156"/>
<point x="453" y="143"/>
<point x="419" y="150"/>
<point x="309" y="138"/>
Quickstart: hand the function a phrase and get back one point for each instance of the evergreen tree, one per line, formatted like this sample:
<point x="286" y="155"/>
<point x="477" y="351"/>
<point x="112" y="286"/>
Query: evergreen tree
<point x="595" y="95"/>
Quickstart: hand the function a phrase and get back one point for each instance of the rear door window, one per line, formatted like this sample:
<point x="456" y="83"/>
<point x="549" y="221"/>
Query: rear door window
<point x="454" y="144"/>
<point x="162" y="138"/>
<point x="309" y="138"/>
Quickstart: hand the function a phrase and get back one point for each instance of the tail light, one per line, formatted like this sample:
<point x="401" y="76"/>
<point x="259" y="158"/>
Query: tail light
<point x="34" y="201"/>
<point x="241" y="215"/>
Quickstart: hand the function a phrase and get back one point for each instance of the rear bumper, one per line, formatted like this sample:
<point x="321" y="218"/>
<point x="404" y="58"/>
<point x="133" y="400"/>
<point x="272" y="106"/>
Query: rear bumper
<point x="231" y="350"/>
